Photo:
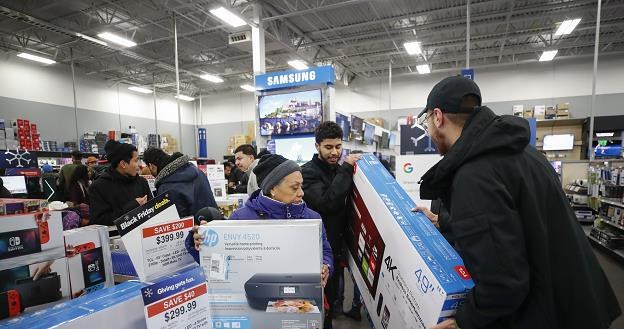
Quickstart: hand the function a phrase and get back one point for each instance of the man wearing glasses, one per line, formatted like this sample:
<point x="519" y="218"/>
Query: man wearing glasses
<point x="509" y="219"/>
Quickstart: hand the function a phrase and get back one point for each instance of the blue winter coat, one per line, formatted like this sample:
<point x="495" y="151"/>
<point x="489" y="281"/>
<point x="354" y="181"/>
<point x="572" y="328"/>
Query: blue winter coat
<point x="259" y="206"/>
<point x="188" y="186"/>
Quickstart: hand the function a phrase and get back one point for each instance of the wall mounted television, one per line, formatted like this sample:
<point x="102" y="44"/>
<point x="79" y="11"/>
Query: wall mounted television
<point x="290" y="113"/>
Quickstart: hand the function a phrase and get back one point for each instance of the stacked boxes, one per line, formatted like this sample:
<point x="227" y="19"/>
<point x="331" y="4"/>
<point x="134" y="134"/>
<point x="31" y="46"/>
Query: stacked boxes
<point x="408" y="274"/>
<point x="25" y="133"/>
<point x="539" y="112"/>
<point x="563" y="111"/>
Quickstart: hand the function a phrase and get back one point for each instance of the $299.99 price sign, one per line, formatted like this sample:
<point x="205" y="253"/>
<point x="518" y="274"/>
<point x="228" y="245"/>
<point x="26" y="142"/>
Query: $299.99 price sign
<point x="177" y="302"/>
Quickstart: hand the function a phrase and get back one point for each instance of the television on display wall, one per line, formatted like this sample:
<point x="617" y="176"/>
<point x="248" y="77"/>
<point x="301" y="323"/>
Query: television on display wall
<point x="290" y="113"/>
<point x="343" y="121"/>
<point x="369" y="134"/>
<point x="357" y="125"/>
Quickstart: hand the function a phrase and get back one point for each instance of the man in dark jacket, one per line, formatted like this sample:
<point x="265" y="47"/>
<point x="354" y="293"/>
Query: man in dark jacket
<point x="119" y="189"/>
<point x="510" y="221"/>
<point x="327" y="186"/>
<point x="188" y="186"/>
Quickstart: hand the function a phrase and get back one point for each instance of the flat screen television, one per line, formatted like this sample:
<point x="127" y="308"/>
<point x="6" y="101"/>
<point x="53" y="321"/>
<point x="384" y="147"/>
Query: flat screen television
<point x="298" y="149"/>
<point x="562" y="142"/>
<point x="357" y="126"/>
<point x="385" y="140"/>
<point x="343" y="121"/>
<point x="15" y="184"/>
<point x="369" y="134"/>
<point x="393" y="138"/>
<point x="291" y="113"/>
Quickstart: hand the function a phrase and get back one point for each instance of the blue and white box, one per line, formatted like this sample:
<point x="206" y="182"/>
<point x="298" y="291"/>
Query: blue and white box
<point x="409" y="275"/>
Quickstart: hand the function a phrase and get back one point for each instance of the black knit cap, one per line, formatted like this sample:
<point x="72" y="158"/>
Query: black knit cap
<point x="266" y="164"/>
<point x="115" y="152"/>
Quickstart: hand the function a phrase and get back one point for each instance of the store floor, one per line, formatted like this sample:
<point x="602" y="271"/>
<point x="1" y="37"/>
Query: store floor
<point x="615" y="272"/>
<point x="613" y="269"/>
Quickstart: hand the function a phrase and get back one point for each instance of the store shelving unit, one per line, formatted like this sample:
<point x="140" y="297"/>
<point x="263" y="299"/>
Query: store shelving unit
<point x="613" y="202"/>
<point x="615" y="253"/>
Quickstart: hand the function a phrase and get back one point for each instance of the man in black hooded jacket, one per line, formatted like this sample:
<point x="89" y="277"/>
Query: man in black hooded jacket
<point x="510" y="221"/>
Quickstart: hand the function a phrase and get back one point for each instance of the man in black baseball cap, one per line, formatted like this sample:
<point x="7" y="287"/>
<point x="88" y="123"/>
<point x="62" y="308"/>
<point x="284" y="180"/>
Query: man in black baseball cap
<point x="509" y="219"/>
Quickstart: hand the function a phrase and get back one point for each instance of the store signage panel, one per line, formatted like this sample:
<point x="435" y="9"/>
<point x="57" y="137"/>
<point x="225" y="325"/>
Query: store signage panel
<point x="296" y="78"/>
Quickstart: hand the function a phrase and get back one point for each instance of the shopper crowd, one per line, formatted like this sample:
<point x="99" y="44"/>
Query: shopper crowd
<point x="500" y="205"/>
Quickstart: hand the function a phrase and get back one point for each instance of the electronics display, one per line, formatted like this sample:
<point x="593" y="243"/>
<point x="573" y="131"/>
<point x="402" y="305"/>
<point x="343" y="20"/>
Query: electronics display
<point x="357" y="128"/>
<point x="19" y="243"/>
<point x="298" y="149"/>
<point x="385" y="140"/>
<point x="262" y="289"/>
<point x="46" y="289"/>
<point x="562" y="142"/>
<point x="343" y="121"/>
<point x="290" y="113"/>
<point x="369" y="134"/>
<point x="15" y="184"/>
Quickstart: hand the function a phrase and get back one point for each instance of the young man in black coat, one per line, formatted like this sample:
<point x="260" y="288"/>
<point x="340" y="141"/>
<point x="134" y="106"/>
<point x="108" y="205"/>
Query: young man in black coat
<point x="119" y="189"/>
<point x="327" y="186"/>
<point x="509" y="219"/>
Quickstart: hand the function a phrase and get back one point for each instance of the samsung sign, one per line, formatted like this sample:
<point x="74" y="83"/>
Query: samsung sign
<point x="294" y="78"/>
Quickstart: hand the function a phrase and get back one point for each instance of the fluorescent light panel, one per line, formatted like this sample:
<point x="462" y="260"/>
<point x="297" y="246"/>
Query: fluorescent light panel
<point x="86" y="37"/>
<point x="36" y="58"/>
<point x="298" y="64"/>
<point x="548" y="55"/>
<point x="185" y="98"/>
<point x="117" y="39"/>
<point x="140" y="90"/>
<point x="413" y="48"/>
<point x="567" y="26"/>
<point x="248" y="88"/>
<point x="211" y="78"/>
<point x="423" y="69"/>
<point x="228" y="17"/>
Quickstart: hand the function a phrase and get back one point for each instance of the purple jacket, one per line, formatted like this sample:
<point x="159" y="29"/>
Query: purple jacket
<point x="260" y="207"/>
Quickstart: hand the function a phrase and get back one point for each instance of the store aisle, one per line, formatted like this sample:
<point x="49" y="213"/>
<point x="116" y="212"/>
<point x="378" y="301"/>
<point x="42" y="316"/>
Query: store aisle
<point x="615" y="273"/>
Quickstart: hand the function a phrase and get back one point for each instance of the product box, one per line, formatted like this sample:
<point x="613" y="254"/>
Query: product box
<point x="9" y="133"/>
<point x="21" y="206"/>
<point x="563" y="113"/>
<point x="528" y="113"/>
<point x="30" y="288"/>
<point x="219" y="189"/>
<point x="12" y="144"/>
<point x="518" y="110"/>
<point x="539" y="112"/>
<point x="119" y="306"/>
<point x="551" y="113"/>
<point x="215" y="172"/>
<point x="88" y="259"/>
<point x="263" y="274"/>
<point x="408" y="274"/>
<point x="2" y="124"/>
<point x="30" y="238"/>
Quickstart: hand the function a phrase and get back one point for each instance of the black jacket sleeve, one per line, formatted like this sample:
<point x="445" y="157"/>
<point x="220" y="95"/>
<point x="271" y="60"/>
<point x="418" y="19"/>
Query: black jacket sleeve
<point x="241" y="186"/>
<point x="489" y="236"/>
<point x="331" y="198"/>
<point x="99" y="211"/>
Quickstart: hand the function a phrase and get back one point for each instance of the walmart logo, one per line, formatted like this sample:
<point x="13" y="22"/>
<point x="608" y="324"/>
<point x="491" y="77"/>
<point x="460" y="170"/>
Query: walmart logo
<point x="407" y="168"/>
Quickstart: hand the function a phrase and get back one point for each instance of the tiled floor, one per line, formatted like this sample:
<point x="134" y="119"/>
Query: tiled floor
<point x="343" y="322"/>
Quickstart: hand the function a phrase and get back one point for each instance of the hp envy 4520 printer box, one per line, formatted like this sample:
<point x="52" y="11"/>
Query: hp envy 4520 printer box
<point x="263" y="274"/>
<point x="408" y="274"/>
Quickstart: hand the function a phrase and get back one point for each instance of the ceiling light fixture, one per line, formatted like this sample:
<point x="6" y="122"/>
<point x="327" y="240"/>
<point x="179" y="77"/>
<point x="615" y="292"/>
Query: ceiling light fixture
<point x="36" y="58"/>
<point x="248" y="88"/>
<point x="88" y="38"/>
<point x="423" y="69"/>
<point x="211" y="78"/>
<point x="140" y="90"/>
<point x="548" y="55"/>
<point x="567" y="26"/>
<point x="185" y="98"/>
<point x="116" y="39"/>
<point x="413" y="48"/>
<point x="228" y="17"/>
<point x="298" y="64"/>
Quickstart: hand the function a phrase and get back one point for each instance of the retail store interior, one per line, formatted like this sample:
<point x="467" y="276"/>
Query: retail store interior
<point x="205" y="77"/>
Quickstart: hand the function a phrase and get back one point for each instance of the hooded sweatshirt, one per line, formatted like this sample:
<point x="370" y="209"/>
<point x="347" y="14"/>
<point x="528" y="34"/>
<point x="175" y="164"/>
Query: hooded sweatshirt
<point x="259" y="206"/>
<point x="512" y="224"/>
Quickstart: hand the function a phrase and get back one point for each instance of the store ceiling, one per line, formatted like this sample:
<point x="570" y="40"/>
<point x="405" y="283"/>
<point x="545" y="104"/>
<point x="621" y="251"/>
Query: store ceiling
<point x="360" y="37"/>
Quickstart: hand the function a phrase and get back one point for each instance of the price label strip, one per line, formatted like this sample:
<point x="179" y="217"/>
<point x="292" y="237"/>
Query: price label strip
<point x="180" y="301"/>
<point x="163" y="247"/>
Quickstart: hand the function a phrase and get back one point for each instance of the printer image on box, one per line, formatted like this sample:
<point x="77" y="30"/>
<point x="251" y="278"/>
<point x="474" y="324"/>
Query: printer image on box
<point x="288" y="293"/>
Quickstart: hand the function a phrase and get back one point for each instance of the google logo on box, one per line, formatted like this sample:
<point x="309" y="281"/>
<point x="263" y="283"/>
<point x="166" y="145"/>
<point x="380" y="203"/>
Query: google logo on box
<point x="407" y="168"/>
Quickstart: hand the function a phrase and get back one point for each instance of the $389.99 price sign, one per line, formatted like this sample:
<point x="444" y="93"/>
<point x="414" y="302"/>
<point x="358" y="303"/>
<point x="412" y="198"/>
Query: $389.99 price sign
<point x="177" y="302"/>
<point x="163" y="247"/>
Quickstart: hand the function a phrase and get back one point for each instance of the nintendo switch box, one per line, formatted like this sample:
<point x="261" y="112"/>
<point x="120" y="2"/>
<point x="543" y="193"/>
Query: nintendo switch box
<point x="21" y="206"/>
<point x="88" y="259"/>
<point x="408" y="274"/>
<point x="30" y="238"/>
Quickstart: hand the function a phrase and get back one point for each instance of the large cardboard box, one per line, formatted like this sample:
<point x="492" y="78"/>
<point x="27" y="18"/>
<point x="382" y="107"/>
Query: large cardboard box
<point x="263" y="274"/>
<point x="408" y="274"/>
<point x="119" y="307"/>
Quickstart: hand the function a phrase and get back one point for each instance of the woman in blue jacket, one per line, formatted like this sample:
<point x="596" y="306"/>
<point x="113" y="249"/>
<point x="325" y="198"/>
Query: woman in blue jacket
<point x="280" y="197"/>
